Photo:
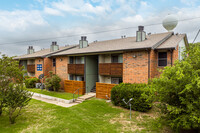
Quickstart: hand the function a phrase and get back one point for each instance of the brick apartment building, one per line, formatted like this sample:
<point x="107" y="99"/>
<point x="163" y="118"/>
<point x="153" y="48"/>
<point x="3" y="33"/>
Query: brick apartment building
<point x="128" y="59"/>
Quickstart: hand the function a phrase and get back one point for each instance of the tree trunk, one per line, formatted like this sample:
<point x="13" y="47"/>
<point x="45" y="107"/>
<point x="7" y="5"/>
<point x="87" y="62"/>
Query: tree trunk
<point x="1" y="109"/>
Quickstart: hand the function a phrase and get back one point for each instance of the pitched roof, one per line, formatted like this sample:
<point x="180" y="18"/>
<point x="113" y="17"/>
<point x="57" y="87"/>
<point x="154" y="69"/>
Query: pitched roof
<point x="172" y="42"/>
<point x="154" y="41"/>
<point x="42" y="53"/>
<point x="122" y="44"/>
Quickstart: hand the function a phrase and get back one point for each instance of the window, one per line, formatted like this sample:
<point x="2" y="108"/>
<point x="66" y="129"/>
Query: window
<point x="114" y="59"/>
<point x="79" y="60"/>
<point x="54" y="62"/>
<point x="39" y="67"/>
<point x="116" y="80"/>
<point x="71" y="60"/>
<point x="71" y="77"/>
<point x="79" y="78"/>
<point x="162" y="59"/>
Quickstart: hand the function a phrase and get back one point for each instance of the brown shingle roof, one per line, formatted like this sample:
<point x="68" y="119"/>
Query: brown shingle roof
<point x="172" y="42"/>
<point x="154" y="41"/>
<point x="42" y="53"/>
<point x="128" y="43"/>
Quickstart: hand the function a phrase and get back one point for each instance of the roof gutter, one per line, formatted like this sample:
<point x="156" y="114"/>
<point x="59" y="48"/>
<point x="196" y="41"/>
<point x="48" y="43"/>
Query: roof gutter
<point x="93" y="53"/>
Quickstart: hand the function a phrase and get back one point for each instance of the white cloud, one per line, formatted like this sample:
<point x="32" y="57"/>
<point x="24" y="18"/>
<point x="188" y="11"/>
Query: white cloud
<point x="52" y="11"/>
<point x="189" y="2"/>
<point x="20" y="20"/>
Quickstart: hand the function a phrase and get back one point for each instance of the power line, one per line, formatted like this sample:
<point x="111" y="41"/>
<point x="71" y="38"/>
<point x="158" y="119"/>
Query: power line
<point x="89" y="33"/>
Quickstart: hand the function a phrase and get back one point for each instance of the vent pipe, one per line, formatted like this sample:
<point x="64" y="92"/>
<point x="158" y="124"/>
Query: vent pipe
<point x="30" y="50"/>
<point x="140" y="34"/>
<point x="54" y="47"/>
<point x="83" y="43"/>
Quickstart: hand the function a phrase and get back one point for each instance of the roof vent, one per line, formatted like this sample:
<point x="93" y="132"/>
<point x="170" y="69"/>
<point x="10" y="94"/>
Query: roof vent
<point x="54" y="47"/>
<point x="83" y="43"/>
<point x="30" y="50"/>
<point x="140" y="34"/>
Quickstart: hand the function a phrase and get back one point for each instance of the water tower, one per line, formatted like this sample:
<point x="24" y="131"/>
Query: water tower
<point x="170" y="22"/>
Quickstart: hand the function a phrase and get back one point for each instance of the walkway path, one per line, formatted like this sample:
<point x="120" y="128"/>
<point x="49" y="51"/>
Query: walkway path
<point x="59" y="101"/>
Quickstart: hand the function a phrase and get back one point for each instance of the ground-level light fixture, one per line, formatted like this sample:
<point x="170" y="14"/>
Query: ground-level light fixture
<point x="128" y="103"/>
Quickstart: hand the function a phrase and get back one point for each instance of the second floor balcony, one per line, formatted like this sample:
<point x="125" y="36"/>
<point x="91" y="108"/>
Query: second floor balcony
<point x="76" y="69"/>
<point x="115" y="69"/>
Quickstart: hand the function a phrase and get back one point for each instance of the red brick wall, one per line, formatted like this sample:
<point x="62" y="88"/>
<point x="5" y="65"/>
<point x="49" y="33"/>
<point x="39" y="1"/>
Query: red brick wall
<point x="62" y="69"/>
<point x="38" y="61"/>
<point x="135" y="70"/>
<point x="154" y="68"/>
<point x="48" y="66"/>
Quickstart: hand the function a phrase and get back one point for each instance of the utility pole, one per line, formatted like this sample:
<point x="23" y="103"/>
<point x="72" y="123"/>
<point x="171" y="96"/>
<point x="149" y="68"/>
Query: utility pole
<point x="196" y="36"/>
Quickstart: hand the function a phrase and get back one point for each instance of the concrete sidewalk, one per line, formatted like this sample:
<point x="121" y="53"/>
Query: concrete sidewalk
<point x="59" y="101"/>
<point x="66" y="105"/>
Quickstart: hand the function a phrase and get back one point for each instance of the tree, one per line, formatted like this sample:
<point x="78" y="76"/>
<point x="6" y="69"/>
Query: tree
<point x="9" y="72"/>
<point x="179" y="90"/>
<point x="17" y="97"/>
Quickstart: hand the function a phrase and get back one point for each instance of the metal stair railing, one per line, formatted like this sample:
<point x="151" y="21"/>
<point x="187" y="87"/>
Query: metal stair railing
<point x="75" y="93"/>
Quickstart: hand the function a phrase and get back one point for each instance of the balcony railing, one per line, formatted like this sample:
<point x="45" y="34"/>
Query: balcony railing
<point x="76" y="69"/>
<point x="111" y="69"/>
<point x="31" y="68"/>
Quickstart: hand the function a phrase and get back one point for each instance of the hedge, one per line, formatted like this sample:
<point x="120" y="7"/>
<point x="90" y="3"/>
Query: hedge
<point x="30" y="82"/>
<point x="141" y="94"/>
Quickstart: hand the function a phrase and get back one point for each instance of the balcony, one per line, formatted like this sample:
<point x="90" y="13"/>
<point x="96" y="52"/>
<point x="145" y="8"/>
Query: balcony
<point x="76" y="69"/>
<point x="115" y="69"/>
<point x="31" y="68"/>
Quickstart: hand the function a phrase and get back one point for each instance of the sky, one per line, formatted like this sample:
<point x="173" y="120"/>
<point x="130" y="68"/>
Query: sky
<point x="37" y="23"/>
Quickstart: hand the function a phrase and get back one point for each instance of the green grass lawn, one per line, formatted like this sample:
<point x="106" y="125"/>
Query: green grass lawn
<point x="62" y="95"/>
<point x="91" y="116"/>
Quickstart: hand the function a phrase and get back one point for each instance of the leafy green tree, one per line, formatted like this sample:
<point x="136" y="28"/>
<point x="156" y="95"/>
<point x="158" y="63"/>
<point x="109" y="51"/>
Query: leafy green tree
<point x="179" y="91"/>
<point x="9" y="72"/>
<point x="17" y="97"/>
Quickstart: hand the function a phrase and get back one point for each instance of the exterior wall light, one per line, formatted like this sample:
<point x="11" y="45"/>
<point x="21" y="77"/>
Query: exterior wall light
<point x="134" y="56"/>
<point x="61" y="59"/>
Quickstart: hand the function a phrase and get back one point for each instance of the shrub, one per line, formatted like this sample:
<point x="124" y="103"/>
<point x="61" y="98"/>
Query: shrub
<point x="16" y="97"/>
<point x="141" y="94"/>
<point x="52" y="82"/>
<point x="30" y="82"/>
<point x="179" y="91"/>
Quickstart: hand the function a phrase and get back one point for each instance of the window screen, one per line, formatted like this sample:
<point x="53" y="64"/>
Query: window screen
<point x="114" y="58"/>
<point x="162" y="59"/>
<point x="71" y="60"/>
<point x="54" y="62"/>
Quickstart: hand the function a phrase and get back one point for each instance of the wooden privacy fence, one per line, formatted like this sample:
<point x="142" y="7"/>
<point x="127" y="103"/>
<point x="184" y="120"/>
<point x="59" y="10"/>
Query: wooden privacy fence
<point x="71" y="86"/>
<point x="103" y="89"/>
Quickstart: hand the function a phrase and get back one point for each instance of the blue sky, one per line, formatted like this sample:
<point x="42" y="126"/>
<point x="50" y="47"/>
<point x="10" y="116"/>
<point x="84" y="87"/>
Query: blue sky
<point x="22" y="20"/>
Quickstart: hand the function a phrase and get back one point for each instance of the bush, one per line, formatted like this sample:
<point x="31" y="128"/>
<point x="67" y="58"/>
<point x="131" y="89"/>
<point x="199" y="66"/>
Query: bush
<point x="179" y="91"/>
<point x="16" y="97"/>
<point x="141" y="94"/>
<point x="30" y="82"/>
<point x="52" y="82"/>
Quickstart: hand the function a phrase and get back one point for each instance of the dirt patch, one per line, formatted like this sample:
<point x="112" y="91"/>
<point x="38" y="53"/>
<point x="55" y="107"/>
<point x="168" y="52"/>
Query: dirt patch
<point x="127" y="125"/>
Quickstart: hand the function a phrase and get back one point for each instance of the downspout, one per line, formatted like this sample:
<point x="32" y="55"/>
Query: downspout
<point x="148" y="64"/>
<point x="171" y="56"/>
